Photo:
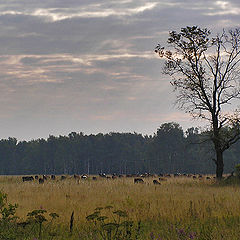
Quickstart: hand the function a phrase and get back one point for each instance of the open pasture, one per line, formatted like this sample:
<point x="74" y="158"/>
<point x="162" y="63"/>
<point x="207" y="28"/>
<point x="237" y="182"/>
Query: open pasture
<point x="181" y="200"/>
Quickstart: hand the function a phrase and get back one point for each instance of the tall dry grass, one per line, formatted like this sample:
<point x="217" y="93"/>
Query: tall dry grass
<point x="177" y="199"/>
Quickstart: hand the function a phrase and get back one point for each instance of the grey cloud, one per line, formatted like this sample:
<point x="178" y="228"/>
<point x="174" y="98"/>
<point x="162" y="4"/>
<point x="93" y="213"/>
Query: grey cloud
<point x="91" y="73"/>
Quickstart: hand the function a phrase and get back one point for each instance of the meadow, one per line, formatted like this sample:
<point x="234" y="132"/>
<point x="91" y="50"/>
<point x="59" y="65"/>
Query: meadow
<point x="179" y="208"/>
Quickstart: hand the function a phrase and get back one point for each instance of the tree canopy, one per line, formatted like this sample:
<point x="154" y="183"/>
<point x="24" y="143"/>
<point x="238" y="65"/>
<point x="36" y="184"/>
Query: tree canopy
<point x="205" y="74"/>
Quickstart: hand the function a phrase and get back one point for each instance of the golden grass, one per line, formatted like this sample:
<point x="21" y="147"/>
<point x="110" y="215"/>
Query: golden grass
<point x="174" y="199"/>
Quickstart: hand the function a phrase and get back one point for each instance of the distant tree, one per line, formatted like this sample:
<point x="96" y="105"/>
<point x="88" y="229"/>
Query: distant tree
<point x="170" y="144"/>
<point x="206" y="76"/>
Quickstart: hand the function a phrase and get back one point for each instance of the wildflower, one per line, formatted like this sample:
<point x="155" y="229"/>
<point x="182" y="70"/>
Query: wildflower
<point x="152" y="236"/>
<point x="181" y="232"/>
<point x="192" y="235"/>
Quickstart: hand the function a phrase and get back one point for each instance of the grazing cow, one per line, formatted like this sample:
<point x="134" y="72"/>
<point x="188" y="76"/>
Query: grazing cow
<point x="36" y="177"/>
<point x="138" y="180"/>
<point x="102" y="175"/>
<point x="84" y="177"/>
<point x="63" y="177"/>
<point x="156" y="182"/>
<point x="162" y="179"/>
<point x="75" y="176"/>
<point x="53" y="177"/>
<point x="41" y="180"/>
<point x="27" y="178"/>
<point x="94" y="178"/>
<point x="44" y="177"/>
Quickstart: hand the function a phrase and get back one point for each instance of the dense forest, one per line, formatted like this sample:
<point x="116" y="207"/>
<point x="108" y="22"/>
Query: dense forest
<point x="169" y="150"/>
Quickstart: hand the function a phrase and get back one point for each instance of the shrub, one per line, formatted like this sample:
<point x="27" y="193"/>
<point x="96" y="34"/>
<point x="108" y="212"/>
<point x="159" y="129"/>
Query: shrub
<point x="112" y="225"/>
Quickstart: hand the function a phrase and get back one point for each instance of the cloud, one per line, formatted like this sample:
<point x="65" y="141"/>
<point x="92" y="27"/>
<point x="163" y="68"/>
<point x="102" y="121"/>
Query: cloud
<point x="88" y="11"/>
<point x="90" y="65"/>
<point x="224" y="8"/>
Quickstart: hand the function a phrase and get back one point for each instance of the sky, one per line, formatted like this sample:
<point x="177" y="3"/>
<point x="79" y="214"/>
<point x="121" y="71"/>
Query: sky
<point x="89" y="65"/>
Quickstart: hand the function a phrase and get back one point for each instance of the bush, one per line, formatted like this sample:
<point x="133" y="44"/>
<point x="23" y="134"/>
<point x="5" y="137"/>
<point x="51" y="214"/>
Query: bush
<point x="112" y="225"/>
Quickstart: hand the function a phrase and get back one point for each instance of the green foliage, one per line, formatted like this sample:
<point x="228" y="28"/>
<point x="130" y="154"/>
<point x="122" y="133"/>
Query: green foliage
<point x="12" y="229"/>
<point x="7" y="211"/>
<point x="107" y="224"/>
<point x="8" y="227"/>
<point x="37" y="218"/>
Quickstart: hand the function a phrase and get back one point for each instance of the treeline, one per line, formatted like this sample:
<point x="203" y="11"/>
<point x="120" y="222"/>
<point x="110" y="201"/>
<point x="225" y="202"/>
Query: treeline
<point x="170" y="150"/>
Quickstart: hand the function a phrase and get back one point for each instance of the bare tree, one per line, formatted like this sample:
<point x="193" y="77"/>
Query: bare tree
<point x="205" y="74"/>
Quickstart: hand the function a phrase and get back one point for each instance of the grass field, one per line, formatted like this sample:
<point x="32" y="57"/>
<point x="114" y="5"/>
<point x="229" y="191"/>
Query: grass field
<point x="179" y="208"/>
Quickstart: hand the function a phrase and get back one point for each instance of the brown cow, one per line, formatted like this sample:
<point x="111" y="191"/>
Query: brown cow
<point x="138" y="180"/>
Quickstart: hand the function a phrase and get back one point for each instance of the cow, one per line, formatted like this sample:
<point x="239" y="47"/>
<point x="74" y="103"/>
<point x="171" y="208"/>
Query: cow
<point x="138" y="180"/>
<point x="84" y="177"/>
<point x="63" y="177"/>
<point x="162" y="179"/>
<point x="53" y="177"/>
<point x="156" y="182"/>
<point x="94" y="178"/>
<point x="102" y="175"/>
<point x="75" y="176"/>
<point x="41" y="180"/>
<point x="27" y="178"/>
<point x="36" y="177"/>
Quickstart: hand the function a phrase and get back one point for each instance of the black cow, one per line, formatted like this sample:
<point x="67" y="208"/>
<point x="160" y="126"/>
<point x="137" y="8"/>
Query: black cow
<point x="27" y="178"/>
<point x="41" y="180"/>
<point x="156" y="182"/>
<point x="138" y="180"/>
<point x="53" y="177"/>
<point x="63" y="177"/>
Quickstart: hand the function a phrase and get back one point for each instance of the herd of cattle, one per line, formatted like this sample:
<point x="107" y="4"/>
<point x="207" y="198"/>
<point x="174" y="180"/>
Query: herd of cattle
<point x="137" y="178"/>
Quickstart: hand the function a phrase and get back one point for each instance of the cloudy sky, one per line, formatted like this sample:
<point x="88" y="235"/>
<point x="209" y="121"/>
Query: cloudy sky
<point x="89" y="65"/>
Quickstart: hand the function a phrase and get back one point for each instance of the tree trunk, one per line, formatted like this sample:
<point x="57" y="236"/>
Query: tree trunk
<point x="219" y="164"/>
